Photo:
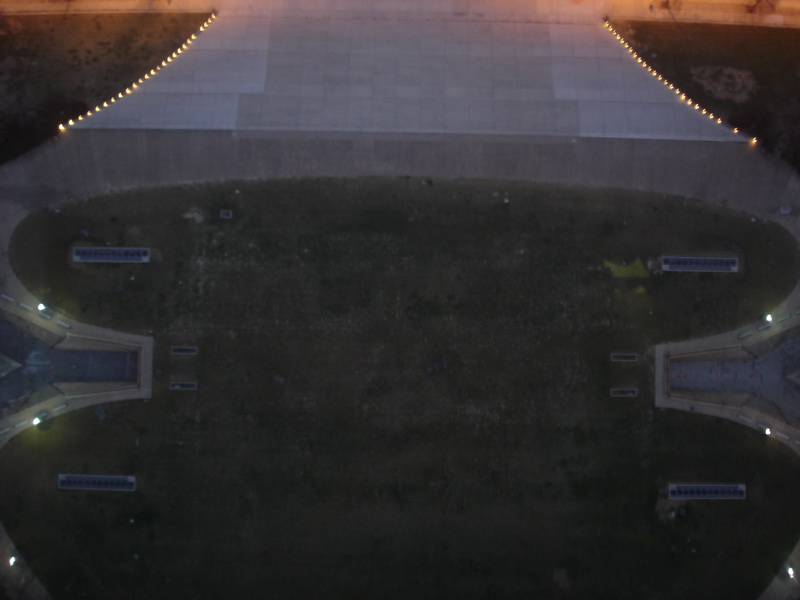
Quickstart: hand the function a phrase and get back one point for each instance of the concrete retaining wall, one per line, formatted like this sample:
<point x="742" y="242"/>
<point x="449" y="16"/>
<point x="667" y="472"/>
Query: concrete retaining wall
<point x="86" y="162"/>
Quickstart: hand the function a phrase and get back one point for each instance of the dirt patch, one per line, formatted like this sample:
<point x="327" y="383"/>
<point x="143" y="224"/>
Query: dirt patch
<point x="725" y="83"/>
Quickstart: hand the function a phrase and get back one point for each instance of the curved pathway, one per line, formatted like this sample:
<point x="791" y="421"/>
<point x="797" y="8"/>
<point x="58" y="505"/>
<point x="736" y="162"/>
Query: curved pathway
<point x="450" y="88"/>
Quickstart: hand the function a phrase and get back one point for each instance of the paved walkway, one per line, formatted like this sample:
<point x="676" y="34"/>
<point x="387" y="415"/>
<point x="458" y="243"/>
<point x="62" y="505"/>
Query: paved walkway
<point x="514" y="89"/>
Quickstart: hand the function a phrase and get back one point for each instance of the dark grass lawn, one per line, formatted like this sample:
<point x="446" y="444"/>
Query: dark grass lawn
<point x="750" y="76"/>
<point x="403" y="393"/>
<point x="56" y="67"/>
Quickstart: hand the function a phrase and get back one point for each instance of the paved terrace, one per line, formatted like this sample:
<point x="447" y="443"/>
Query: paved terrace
<point x="515" y="89"/>
<point x="420" y="72"/>
<point x="765" y="383"/>
<point x="40" y="365"/>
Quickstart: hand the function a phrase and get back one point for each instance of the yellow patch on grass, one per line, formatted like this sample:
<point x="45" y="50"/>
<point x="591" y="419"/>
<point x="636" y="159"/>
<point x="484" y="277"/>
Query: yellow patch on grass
<point x="634" y="270"/>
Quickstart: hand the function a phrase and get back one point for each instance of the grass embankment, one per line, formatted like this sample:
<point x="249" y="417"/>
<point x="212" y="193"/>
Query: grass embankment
<point x="403" y="390"/>
<point x="56" y="67"/>
<point x="747" y="75"/>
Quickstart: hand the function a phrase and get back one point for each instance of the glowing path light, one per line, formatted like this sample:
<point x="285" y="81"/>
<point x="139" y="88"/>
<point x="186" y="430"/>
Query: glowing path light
<point x="62" y="127"/>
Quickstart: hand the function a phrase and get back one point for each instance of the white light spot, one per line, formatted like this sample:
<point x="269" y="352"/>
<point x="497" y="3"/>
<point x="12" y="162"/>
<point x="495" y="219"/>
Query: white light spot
<point x="41" y="306"/>
<point x="12" y="560"/>
<point x="36" y="420"/>
<point x="768" y="431"/>
<point x="769" y="318"/>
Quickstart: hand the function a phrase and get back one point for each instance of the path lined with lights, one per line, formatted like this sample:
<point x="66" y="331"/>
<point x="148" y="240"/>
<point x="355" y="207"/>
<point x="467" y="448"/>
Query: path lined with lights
<point x="671" y="86"/>
<point x="152" y="73"/>
<point x="369" y="70"/>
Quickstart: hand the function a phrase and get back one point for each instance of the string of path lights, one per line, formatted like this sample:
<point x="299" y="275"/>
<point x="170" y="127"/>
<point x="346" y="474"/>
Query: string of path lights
<point x="148" y="75"/>
<point x="664" y="80"/>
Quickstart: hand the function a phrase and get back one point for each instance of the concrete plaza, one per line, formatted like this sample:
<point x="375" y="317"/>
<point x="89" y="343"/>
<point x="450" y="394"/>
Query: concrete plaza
<point x="41" y="365"/>
<point x="423" y="70"/>
<point x="510" y="89"/>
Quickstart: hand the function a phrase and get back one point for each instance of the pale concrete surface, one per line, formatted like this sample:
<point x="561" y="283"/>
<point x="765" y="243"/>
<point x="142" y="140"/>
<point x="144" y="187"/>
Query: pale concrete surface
<point x="763" y="382"/>
<point x="435" y="70"/>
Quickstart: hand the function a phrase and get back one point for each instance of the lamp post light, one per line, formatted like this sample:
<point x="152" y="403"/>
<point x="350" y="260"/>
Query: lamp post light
<point x="39" y="418"/>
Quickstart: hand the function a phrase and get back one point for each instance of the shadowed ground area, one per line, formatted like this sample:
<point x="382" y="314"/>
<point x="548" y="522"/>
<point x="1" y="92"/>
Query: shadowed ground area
<point x="403" y="389"/>
<point x="54" y="67"/>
